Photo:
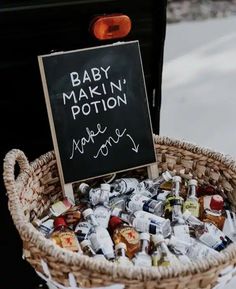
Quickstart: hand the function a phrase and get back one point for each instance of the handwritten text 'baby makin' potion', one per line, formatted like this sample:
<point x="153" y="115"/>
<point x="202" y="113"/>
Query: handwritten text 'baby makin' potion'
<point x="98" y="94"/>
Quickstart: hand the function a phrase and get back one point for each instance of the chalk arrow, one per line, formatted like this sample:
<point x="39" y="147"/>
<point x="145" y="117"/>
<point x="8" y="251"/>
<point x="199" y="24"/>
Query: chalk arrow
<point x="135" y="148"/>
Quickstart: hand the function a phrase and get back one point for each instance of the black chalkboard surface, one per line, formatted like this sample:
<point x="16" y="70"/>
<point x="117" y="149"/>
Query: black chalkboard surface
<point x="98" y="111"/>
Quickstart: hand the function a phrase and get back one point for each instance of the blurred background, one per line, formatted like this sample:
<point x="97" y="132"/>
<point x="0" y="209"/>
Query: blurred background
<point x="199" y="74"/>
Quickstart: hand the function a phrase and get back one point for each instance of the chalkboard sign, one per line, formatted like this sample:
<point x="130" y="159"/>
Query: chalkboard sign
<point x="98" y="110"/>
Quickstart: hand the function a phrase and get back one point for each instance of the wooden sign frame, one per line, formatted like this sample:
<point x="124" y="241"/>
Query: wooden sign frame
<point x="52" y="64"/>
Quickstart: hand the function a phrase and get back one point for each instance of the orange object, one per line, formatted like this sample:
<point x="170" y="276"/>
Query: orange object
<point x="63" y="236"/>
<point x="122" y="232"/>
<point x="110" y="26"/>
<point x="212" y="210"/>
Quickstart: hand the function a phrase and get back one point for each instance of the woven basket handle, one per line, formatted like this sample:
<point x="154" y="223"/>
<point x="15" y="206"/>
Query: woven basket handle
<point x="9" y="163"/>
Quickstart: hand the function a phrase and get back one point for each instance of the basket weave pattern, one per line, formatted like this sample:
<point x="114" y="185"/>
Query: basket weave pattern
<point x="37" y="187"/>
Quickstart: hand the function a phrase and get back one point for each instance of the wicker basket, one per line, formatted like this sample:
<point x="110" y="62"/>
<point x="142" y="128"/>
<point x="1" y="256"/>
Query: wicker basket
<point x="37" y="187"/>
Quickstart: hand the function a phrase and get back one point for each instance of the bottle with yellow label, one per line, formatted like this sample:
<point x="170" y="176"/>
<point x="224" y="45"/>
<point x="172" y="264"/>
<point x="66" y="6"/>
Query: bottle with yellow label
<point x="192" y="204"/>
<point x="64" y="237"/>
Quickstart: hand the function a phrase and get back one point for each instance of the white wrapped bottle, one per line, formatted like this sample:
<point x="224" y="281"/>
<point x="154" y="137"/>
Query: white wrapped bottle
<point x="99" y="236"/>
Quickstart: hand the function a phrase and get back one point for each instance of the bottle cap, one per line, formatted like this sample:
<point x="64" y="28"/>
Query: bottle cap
<point x="167" y="176"/>
<point x="59" y="221"/>
<point x="144" y="236"/>
<point x="177" y="179"/>
<point x="114" y="222"/>
<point x="87" y="212"/>
<point x="83" y="187"/>
<point x="120" y="246"/>
<point x="192" y="182"/>
<point x="85" y="243"/>
<point x="216" y="203"/>
<point x="105" y="187"/>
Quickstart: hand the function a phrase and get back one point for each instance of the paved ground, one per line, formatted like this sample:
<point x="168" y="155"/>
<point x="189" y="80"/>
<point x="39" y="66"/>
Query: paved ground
<point x="199" y="83"/>
<point x="199" y="86"/>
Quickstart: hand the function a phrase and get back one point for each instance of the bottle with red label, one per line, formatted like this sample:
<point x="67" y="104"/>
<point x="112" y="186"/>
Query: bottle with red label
<point x="63" y="236"/>
<point x="212" y="210"/>
<point x="122" y="232"/>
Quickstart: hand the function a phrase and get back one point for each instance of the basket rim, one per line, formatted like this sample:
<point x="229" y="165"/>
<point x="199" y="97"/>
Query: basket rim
<point x="29" y="233"/>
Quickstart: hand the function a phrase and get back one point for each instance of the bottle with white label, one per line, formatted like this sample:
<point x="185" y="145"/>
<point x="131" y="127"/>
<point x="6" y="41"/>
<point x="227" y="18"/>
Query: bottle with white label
<point x="123" y="186"/>
<point x="99" y="236"/>
<point x="84" y="189"/>
<point x="191" y="203"/>
<point x="179" y="248"/>
<point x="92" y="194"/>
<point x="118" y="202"/>
<point x="143" y="188"/>
<point x="142" y="258"/>
<point x="138" y="202"/>
<point x="104" y="194"/>
<point x="207" y="233"/>
<point x="46" y="227"/>
<point x="121" y="257"/>
<point x="100" y="195"/>
<point x="102" y="215"/>
<point x="200" y="251"/>
<point x="82" y="230"/>
<point x="145" y="222"/>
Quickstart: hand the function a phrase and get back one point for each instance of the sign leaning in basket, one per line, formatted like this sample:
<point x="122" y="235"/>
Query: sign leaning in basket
<point x="98" y="111"/>
<point x="38" y="186"/>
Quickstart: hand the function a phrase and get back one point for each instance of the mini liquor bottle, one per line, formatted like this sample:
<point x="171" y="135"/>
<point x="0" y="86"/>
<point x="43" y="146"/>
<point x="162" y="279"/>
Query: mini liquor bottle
<point x="164" y="178"/>
<point x="63" y="236"/>
<point x="200" y="251"/>
<point x="142" y="258"/>
<point x="56" y="209"/>
<point x="89" y="193"/>
<point x="123" y="186"/>
<point x="122" y="232"/>
<point x="102" y="214"/>
<point x="99" y="236"/>
<point x="87" y="248"/>
<point x="73" y="215"/>
<point x="212" y="210"/>
<point x="82" y="230"/>
<point x="145" y="222"/>
<point x="173" y="198"/>
<point x="191" y="203"/>
<point x="121" y="257"/>
<point x="166" y="258"/>
<point x="105" y="190"/>
<point x="207" y="233"/>
<point x="137" y="202"/>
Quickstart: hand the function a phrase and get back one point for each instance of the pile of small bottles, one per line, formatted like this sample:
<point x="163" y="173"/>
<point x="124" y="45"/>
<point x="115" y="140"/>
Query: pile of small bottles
<point x="160" y="222"/>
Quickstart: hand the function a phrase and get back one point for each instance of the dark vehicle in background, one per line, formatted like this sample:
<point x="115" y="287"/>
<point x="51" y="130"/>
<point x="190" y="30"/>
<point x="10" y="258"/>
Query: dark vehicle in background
<point x="32" y="28"/>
